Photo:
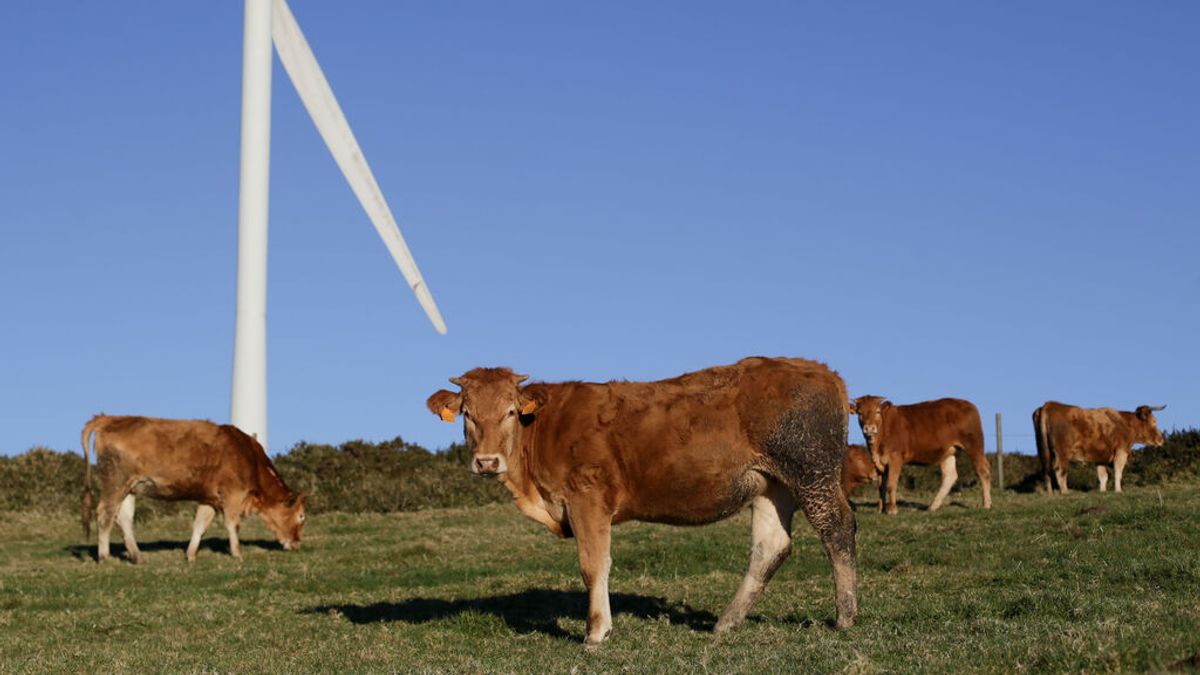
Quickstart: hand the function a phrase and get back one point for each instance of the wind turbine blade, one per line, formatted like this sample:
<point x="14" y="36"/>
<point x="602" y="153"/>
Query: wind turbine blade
<point x="310" y="83"/>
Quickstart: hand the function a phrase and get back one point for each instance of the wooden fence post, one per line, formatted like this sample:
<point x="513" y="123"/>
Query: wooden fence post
<point x="999" y="452"/>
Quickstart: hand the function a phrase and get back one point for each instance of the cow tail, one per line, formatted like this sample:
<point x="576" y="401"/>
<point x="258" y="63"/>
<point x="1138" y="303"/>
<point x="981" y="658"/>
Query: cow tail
<point x="1043" y="447"/>
<point x="86" y="498"/>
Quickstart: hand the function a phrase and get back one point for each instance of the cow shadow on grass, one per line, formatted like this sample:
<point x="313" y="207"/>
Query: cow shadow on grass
<point x="213" y="544"/>
<point x="531" y="611"/>
<point x="903" y="505"/>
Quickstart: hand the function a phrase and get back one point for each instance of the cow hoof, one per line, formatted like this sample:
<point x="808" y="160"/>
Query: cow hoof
<point x="725" y="626"/>
<point x="595" y="640"/>
<point x="842" y="624"/>
<point x="135" y="559"/>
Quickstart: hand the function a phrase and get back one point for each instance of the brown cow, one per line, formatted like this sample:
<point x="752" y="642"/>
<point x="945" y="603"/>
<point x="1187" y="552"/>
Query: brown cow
<point x="858" y="469"/>
<point x="1102" y="436"/>
<point x="580" y="457"/>
<point x="922" y="433"/>
<point x="195" y="460"/>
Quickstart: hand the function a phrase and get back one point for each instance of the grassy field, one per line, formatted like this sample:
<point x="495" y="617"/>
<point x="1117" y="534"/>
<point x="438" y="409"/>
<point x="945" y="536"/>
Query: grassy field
<point x="1083" y="582"/>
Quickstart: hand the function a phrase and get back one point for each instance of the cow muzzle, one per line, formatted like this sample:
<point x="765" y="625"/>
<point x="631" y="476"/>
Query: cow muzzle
<point x="291" y="545"/>
<point x="869" y="430"/>
<point x="489" y="465"/>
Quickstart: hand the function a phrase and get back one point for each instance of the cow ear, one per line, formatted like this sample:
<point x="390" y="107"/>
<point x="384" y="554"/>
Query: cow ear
<point x="532" y="398"/>
<point x="444" y="404"/>
<point x="1143" y="412"/>
<point x="852" y="407"/>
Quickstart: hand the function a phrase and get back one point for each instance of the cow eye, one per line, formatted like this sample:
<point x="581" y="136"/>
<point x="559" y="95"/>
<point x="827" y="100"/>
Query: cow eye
<point x="512" y="412"/>
<point x="302" y="517"/>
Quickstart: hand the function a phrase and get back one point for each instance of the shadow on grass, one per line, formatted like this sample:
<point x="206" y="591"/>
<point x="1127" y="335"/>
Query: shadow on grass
<point x="533" y="610"/>
<point x="214" y="544"/>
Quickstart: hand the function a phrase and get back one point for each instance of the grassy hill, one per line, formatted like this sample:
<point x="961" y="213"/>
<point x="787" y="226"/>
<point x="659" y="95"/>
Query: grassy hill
<point x="1086" y="582"/>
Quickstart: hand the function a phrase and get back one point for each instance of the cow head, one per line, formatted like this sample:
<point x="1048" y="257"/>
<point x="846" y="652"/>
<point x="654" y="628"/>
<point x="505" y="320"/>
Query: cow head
<point x="494" y="408"/>
<point x="870" y="410"/>
<point x="286" y="519"/>
<point x="1150" y="435"/>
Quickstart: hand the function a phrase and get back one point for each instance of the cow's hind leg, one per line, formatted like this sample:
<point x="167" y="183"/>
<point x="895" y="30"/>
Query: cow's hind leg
<point x="232" y="523"/>
<point x="984" y="471"/>
<point x="827" y="509"/>
<point x="125" y="519"/>
<point x="1119" y="468"/>
<point x="771" y="542"/>
<point x="1060" y="472"/>
<point x="106" y="515"/>
<point x="949" y="476"/>
<point x="1102" y="475"/>
<point x="204" y="518"/>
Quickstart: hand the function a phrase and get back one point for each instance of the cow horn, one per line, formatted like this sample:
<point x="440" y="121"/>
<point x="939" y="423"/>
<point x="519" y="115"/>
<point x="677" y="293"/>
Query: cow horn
<point x="521" y="378"/>
<point x="1158" y="407"/>
<point x="456" y="380"/>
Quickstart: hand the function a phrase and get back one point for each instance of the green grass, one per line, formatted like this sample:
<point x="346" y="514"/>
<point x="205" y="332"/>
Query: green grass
<point x="1086" y="582"/>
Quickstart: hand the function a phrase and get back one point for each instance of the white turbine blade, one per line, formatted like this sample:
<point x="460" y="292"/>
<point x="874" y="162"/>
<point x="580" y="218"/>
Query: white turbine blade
<point x="310" y="83"/>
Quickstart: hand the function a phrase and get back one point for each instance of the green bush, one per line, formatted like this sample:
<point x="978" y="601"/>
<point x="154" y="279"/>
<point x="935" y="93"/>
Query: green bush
<point x="359" y="477"/>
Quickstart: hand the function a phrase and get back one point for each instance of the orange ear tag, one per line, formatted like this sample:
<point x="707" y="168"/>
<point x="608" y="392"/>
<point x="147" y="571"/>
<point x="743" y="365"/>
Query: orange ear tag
<point x="529" y="407"/>
<point x="447" y="416"/>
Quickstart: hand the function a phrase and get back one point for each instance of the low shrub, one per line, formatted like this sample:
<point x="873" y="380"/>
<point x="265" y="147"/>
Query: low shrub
<point x="360" y="476"/>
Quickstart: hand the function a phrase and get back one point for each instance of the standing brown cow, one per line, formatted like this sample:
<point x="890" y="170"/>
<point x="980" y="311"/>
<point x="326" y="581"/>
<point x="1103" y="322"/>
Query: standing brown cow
<point x="580" y="457"/>
<point x="858" y="469"/>
<point x="1102" y="436"/>
<point x="922" y="433"/>
<point x="195" y="460"/>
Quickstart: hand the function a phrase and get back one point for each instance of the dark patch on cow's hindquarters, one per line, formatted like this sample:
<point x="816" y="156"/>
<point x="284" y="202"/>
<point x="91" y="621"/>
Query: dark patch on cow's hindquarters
<point x="535" y="610"/>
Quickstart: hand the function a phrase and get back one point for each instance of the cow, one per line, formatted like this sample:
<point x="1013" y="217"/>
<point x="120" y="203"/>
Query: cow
<point x="218" y="466"/>
<point x="1102" y="436"/>
<point x="857" y="469"/>
<point x="580" y="457"/>
<point x="922" y="433"/>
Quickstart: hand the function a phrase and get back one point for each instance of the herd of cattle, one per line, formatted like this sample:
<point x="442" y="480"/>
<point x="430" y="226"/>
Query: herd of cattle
<point x="580" y="457"/>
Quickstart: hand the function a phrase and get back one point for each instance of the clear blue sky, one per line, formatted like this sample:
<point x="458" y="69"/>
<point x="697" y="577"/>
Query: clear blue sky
<point x="991" y="200"/>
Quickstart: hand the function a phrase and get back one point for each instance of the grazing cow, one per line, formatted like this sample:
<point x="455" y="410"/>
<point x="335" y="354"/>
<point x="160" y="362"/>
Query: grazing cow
<point x="858" y="469"/>
<point x="196" y="460"/>
<point x="922" y="433"/>
<point x="1102" y="436"/>
<point x="580" y="457"/>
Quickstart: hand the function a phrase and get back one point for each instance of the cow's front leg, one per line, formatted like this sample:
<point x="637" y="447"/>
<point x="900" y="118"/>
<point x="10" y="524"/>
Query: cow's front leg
<point x="1102" y="476"/>
<point x="890" y="486"/>
<point x="592" y="524"/>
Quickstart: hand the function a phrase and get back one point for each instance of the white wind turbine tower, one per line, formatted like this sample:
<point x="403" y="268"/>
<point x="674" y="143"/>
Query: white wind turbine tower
<point x="268" y="20"/>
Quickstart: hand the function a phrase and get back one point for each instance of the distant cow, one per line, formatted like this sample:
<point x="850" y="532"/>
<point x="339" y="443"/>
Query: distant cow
<point x="580" y="457"/>
<point x="857" y="469"/>
<point x="922" y="433"/>
<point x="195" y="460"/>
<point x="1102" y="436"/>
